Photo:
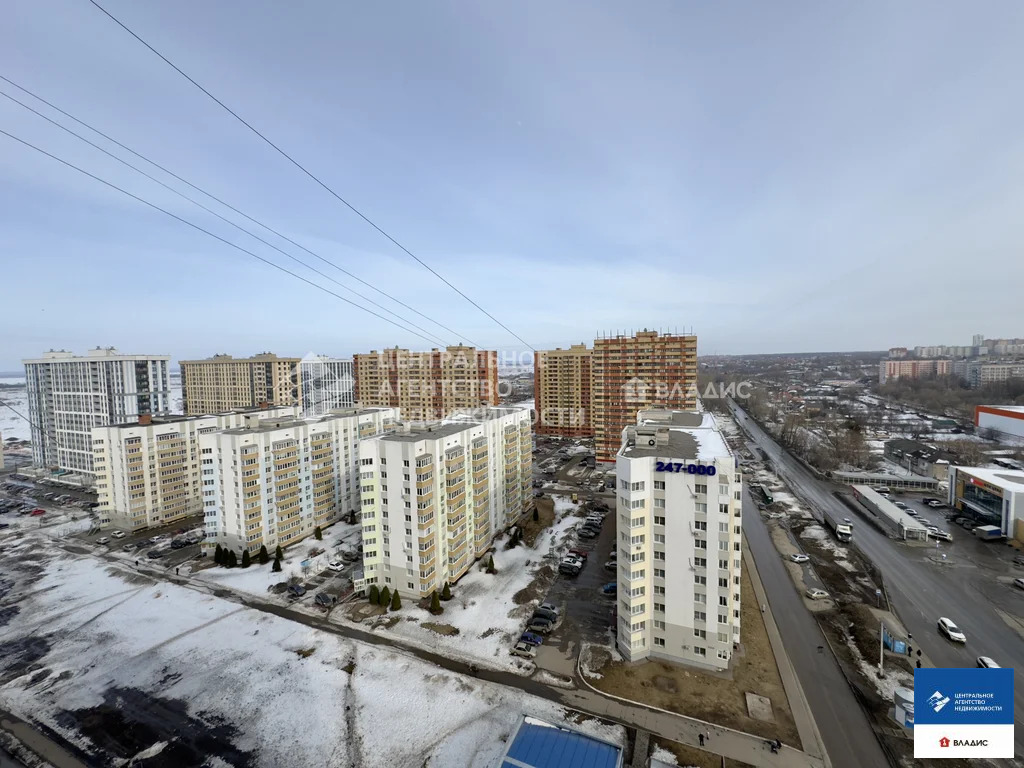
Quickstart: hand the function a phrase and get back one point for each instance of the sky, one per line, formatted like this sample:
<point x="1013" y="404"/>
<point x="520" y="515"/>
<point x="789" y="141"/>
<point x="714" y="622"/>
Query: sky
<point x="778" y="177"/>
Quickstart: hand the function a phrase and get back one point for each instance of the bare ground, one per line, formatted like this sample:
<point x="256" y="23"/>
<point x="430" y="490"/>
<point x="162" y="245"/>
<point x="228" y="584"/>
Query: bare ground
<point x="708" y="696"/>
<point x="697" y="758"/>
<point x="533" y="528"/>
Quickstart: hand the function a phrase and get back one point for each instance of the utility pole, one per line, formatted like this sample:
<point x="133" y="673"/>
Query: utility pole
<point x="881" y="649"/>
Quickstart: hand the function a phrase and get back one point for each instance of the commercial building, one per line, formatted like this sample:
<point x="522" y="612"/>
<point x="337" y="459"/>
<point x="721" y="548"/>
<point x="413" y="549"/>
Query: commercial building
<point x="631" y="373"/>
<point x="679" y="540"/>
<point x="561" y="391"/>
<point x="990" y="496"/>
<point x="1006" y="420"/>
<point x="435" y="495"/>
<point x="538" y="744"/>
<point x="223" y="383"/>
<point x="427" y="386"/>
<point x="918" y="457"/>
<point x="889" y="370"/>
<point x="148" y="472"/>
<point x="907" y="481"/>
<point x="272" y="482"/>
<point x="70" y="394"/>
<point x="327" y="383"/>
<point x="894" y="520"/>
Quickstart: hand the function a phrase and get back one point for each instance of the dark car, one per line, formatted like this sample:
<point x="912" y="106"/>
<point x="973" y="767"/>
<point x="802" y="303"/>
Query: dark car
<point x="567" y="569"/>
<point x="589" y="533"/>
<point x="610" y="588"/>
<point x="531" y="638"/>
<point x="153" y="554"/>
<point x="324" y="599"/>
<point x="296" y="591"/>
<point x="540" y="625"/>
<point x="544" y="613"/>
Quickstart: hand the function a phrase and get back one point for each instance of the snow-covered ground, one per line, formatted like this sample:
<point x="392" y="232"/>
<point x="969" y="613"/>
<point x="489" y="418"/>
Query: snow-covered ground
<point x="11" y="424"/>
<point x="86" y="641"/>
<point x="483" y="607"/>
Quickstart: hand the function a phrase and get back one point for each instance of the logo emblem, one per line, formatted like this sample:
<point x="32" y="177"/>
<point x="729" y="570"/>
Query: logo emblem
<point x="937" y="701"/>
<point x="943" y="742"/>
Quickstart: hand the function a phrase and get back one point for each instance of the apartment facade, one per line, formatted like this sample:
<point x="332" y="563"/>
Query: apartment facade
<point x="435" y="495"/>
<point x="148" y="472"/>
<point x="562" y="383"/>
<point x="679" y="540"/>
<point x="223" y="383"/>
<point x="272" y="482"/>
<point x="912" y="369"/>
<point x="979" y="374"/>
<point x="427" y="386"/>
<point x="631" y="373"/>
<point x="70" y="394"/>
<point x="327" y="384"/>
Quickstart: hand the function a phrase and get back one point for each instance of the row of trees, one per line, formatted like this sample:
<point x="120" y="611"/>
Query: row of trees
<point x="951" y="395"/>
<point x="227" y="558"/>
<point x="393" y="601"/>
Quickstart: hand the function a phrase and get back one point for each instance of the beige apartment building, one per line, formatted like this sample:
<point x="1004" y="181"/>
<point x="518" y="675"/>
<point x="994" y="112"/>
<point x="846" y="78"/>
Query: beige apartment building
<point x="434" y="496"/>
<point x="222" y="382"/>
<point x="562" y="381"/>
<point x="427" y="386"/>
<point x="912" y="369"/>
<point x="148" y="472"/>
<point x="630" y="373"/>
<point x="271" y="482"/>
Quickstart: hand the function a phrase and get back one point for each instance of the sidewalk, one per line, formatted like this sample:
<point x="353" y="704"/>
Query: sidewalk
<point x="810" y="737"/>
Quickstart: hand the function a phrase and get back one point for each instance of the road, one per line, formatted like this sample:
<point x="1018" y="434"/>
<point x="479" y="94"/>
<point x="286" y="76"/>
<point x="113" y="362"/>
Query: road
<point x="848" y="737"/>
<point x="921" y="590"/>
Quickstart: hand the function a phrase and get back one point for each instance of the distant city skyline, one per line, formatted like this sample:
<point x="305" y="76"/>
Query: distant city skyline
<point x="784" y="179"/>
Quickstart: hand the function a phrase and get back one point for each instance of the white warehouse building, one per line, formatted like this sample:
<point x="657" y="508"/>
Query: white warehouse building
<point x="679" y="540"/>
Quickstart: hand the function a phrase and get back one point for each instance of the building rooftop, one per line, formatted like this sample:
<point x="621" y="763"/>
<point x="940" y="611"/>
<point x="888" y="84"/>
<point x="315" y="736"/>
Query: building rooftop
<point x="675" y="434"/>
<point x="271" y="424"/>
<point x="890" y="510"/>
<point x="281" y="411"/>
<point x="537" y="744"/>
<point x="99" y="353"/>
<point x="1010" y="408"/>
<point x="1008" y="479"/>
<point x="433" y="431"/>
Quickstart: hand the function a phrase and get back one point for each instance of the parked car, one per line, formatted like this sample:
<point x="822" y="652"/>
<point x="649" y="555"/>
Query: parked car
<point x="549" y="607"/>
<point x="986" y="662"/>
<point x="37" y="512"/>
<point x="540" y="625"/>
<point x="544" y="613"/>
<point x="899" y="504"/>
<point x="1018" y="560"/>
<point x="568" y="569"/>
<point x="611" y="565"/>
<point x="178" y="543"/>
<point x="129" y="547"/>
<point x="153" y="554"/>
<point x="940" y="534"/>
<point x="580" y="553"/>
<point x="610" y="588"/>
<point x="336" y="565"/>
<point x="117" y="534"/>
<point x="296" y="591"/>
<point x="532" y="638"/>
<point x="525" y="650"/>
<point x="588" y="533"/>
<point x="951" y="630"/>
<point x="799" y="558"/>
<point x="324" y="599"/>
<point x="816" y="594"/>
<point x="1019" y="583"/>
<point x="103" y="540"/>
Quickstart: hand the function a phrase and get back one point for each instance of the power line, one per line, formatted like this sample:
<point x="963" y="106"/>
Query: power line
<point x="308" y="173"/>
<point x="210" y="211"/>
<point x="222" y="202"/>
<point x="208" y="232"/>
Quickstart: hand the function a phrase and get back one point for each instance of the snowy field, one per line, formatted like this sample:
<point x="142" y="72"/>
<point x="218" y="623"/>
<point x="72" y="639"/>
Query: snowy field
<point x="12" y="425"/>
<point x="120" y="665"/>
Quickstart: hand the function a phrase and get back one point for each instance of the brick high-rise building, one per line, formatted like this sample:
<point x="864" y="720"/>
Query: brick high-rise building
<point x="562" y="390"/>
<point x="223" y="383"/>
<point x="631" y="373"/>
<point x="427" y="385"/>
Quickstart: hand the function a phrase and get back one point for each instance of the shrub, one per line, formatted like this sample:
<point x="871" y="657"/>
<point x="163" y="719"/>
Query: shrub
<point x="536" y="515"/>
<point x="385" y="597"/>
<point x="218" y="555"/>
<point x="374" y="595"/>
<point x="264" y="556"/>
<point x="435" y="603"/>
<point x="246" y="560"/>
<point x="446" y="592"/>
<point x="232" y="559"/>
<point x="396" y="601"/>
<point x="318" y="533"/>
<point x="276" y="567"/>
<point x="490" y="565"/>
<point x="279" y="553"/>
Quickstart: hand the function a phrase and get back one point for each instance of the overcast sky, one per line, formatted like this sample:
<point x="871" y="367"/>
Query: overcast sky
<point x="777" y="176"/>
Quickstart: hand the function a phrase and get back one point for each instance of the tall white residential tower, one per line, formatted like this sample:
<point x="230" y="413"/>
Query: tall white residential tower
<point x="327" y="384"/>
<point x="679" y="540"/>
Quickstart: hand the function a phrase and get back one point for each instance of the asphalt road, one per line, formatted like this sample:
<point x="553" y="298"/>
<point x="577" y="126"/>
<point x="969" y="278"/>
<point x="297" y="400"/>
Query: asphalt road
<point x="967" y="589"/>
<point x="848" y="737"/>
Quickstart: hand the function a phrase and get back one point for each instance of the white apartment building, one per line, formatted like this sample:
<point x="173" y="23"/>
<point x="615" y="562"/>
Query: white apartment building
<point x="679" y="540"/>
<point x="70" y="394"/>
<point x="327" y="384"/>
<point x="435" y="495"/>
<point x="273" y="481"/>
<point x="147" y="473"/>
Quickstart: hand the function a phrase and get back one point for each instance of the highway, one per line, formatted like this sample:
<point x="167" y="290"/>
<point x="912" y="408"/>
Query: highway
<point x="921" y="590"/>
<point x="845" y="730"/>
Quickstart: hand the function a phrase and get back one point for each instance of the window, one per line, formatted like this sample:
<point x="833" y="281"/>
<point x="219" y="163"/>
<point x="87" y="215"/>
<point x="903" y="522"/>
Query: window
<point x="637" y="503"/>
<point x="736" y="546"/>
<point x="657" y="590"/>
<point x="700" y="562"/>
<point x="659" y="607"/>
<point x="659" y="538"/>
<point x="659" y="485"/>
<point x="701" y="525"/>
<point x="700" y="579"/>
<point x="723" y="600"/>
<point x="658" y="555"/>
<point x="723" y="546"/>
<point x="637" y="591"/>
<point x="699" y="616"/>
<point x="640" y="539"/>
<point x="723" y="582"/>
<point x="700" y="507"/>
<point x="700" y="488"/>
<point x="659" y="503"/>
<point x="700" y="544"/>
<point x="723" y="618"/>
<point x="638" y="609"/>
<point x="700" y="650"/>
<point x="723" y="527"/>
<point x="701" y="633"/>
<point x="723" y="508"/>
<point x="638" y="486"/>
<point x="723" y="637"/>
<point x="724" y="564"/>
<point x="405" y="462"/>
<point x="723" y="490"/>
<point x="658" y="624"/>
<point x="723" y="655"/>
<point x="623" y="485"/>
<point x="658" y="520"/>
<point x="659" y="641"/>
<point x="699" y="598"/>
<point x="659" y="573"/>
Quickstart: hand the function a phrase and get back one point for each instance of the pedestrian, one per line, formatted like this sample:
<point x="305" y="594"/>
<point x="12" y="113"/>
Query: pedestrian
<point x="918" y="663"/>
<point x="175" y="571"/>
<point x="700" y="739"/>
<point x="763" y="606"/>
<point x="707" y="735"/>
<point x="821" y="649"/>
<point x="136" y="563"/>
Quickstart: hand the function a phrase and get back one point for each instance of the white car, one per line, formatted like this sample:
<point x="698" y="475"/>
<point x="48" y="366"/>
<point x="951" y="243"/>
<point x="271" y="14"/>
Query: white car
<point x="899" y="504"/>
<point x="117" y="534"/>
<point x="951" y="630"/>
<point x="798" y="558"/>
<point x="336" y="565"/>
<point x="940" y="534"/>
<point x="103" y="540"/>
<point x="987" y="662"/>
<point x="549" y="607"/>
<point x="1019" y="583"/>
<point x="525" y="650"/>
<point x="816" y="594"/>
